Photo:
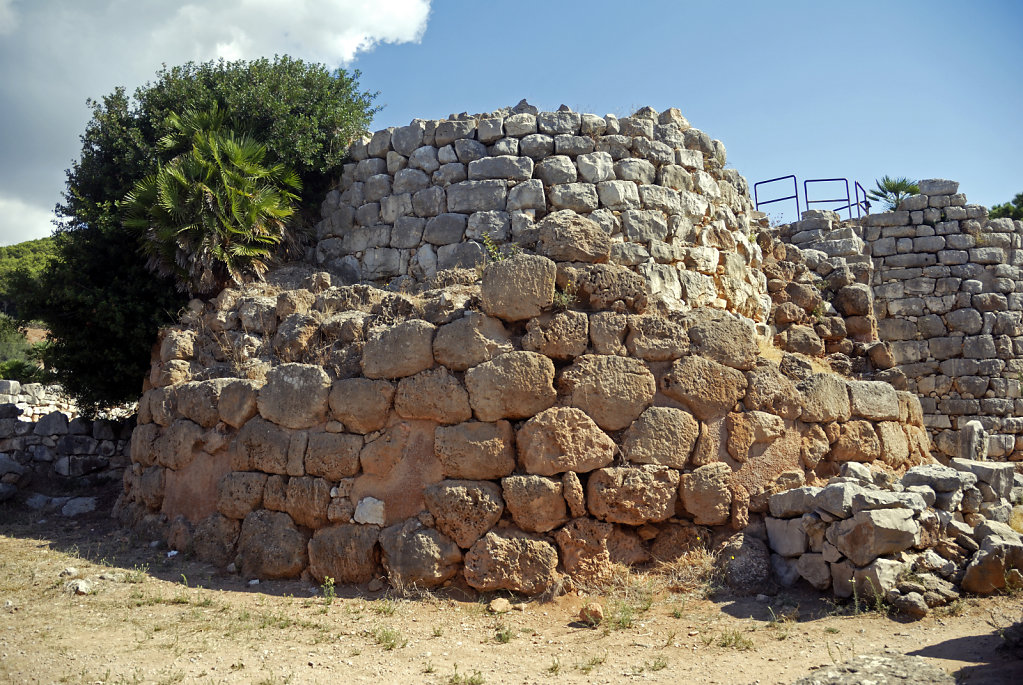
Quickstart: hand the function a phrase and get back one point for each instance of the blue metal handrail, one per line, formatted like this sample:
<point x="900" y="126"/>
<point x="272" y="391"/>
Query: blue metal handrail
<point x="806" y="194"/>
<point x="794" y="196"/>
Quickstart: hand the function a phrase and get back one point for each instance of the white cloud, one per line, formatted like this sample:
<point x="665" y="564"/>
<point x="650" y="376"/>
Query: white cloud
<point x="56" y="53"/>
<point x="20" y="221"/>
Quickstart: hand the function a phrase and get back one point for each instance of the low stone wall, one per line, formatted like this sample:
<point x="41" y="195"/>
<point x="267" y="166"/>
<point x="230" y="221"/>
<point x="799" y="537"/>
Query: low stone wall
<point x="481" y="429"/>
<point x="916" y="541"/>
<point x="36" y="400"/>
<point x="44" y="462"/>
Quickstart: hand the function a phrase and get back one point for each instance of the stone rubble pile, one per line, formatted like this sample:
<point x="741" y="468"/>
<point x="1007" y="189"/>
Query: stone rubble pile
<point x="432" y="195"/>
<point x="916" y="541"/>
<point x="35" y="400"/>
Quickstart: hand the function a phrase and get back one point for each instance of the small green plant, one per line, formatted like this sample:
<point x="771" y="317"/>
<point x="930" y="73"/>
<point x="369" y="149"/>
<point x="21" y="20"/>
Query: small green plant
<point x="659" y="664"/>
<point x="329" y="594"/>
<point x="555" y="667"/>
<point x="563" y="299"/>
<point x="429" y="668"/>
<point x="438" y="631"/>
<point x="735" y="640"/>
<point x="503" y="633"/>
<point x="385" y="607"/>
<point x="498" y="253"/>
<point x="389" y="638"/>
<point x="622" y="615"/>
<point x="892" y="191"/>
<point x="462" y="679"/>
<point x="832" y="630"/>
<point x="137" y="574"/>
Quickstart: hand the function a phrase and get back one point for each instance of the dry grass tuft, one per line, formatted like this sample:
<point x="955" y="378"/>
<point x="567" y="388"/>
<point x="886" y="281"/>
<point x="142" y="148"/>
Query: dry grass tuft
<point x="693" y="572"/>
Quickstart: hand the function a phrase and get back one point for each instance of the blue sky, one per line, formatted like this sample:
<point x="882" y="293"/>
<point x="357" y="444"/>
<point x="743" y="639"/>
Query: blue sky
<point x="816" y="89"/>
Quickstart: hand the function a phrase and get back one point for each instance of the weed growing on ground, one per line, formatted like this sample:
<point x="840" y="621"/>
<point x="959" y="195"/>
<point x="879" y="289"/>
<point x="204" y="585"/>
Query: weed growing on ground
<point x="137" y="574"/>
<point x="329" y="593"/>
<point x="555" y="667"/>
<point x="462" y="679"/>
<point x="592" y="663"/>
<point x="735" y="640"/>
<point x="503" y="634"/>
<point x="389" y="638"/>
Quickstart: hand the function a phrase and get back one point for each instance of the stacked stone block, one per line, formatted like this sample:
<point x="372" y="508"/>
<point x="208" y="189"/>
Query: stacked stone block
<point x="434" y="195"/>
<point x="36" y="400"/>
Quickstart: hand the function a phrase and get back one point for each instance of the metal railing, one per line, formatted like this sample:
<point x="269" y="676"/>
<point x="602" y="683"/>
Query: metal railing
<point x="858" y="200"/>
<point x="793" y="196"/>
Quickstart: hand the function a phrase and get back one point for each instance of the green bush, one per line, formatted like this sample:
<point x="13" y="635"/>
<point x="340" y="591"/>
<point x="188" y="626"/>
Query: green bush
<point x="1013" y="210"/>
<point x="100" y="302"/>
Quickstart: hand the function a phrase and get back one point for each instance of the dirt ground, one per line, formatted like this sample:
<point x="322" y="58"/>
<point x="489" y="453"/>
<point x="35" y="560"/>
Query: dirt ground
<point x="154" y="618"/>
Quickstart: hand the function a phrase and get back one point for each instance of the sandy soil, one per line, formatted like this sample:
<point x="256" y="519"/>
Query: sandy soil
<point x="150" y="618"/>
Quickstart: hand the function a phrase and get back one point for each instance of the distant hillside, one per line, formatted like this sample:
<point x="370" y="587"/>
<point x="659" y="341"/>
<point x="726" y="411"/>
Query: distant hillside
<point x="30" y="256"/>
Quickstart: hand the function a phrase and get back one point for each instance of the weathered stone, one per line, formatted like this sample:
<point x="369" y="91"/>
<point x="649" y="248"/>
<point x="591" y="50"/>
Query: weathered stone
<point x="746" y="429"/>
<point x="536" y="503"/>
<point x="262" y="446"/>
<point x="837" y="498"/>
<point x="794" y="502"/>
<point x="401" y="350"/>
<point x="708" y="389"/>
<point x="607" y="333"/>
<point x="556" y="170"/>
<point x="563" y="335"/>
<point x="433" y="395"/>
<point x="661" y="435"/>
<point x="501" y="167"/>
<point x="656" y="339"/>
<point x="214" y="539"/>
<point x="563" y="439"/>
<point x="607" y="286"/>
<point x="307" y="501"/>
<point x="515" y="385"/>
<point x="295" y="395"/>
<point x="874" y="400"/>
<point x="415" y="556"/>
<point x="348" y="553"/>
<point x="771" y="391"/>
<point x="567" y="237"/>
<point x="632" y="495"/>
<point x="463" y="509"/>
<point x="177" y="446"/>
<point x="706" y="494"/>
<point x="475" y="450"/>
<point x="332" y="455"/>
<point x="825" y="398"/>
<point x="270" y="546"/>
<point x="518" y="288"/>
<point x="584" y="550"/>
<point x="857" y="441"/>
<point x="512" y="560"/>
<point x="471" y="340"/>
<point x="746" y="563"/>
<point x="361" y="404"/>
<point x="869" y="534"/>
<point x="239" y="493"/>
<point x="612" y="390"/>
<point x="722" y="337"/>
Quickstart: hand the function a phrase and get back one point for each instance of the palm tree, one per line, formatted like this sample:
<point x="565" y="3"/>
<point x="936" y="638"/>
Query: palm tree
<point x="892" y="191"/>
<point x="216" y="212"/>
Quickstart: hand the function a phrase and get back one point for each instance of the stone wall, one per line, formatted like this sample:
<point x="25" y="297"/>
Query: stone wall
<point x="946" y="294"/>
<point x="46" y="459"/>
<point x="36" y="400"/>
<point x="430" y="196"/>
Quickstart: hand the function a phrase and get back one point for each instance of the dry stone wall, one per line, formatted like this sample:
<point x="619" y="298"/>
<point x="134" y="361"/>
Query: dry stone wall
<point x="434" y="195"/>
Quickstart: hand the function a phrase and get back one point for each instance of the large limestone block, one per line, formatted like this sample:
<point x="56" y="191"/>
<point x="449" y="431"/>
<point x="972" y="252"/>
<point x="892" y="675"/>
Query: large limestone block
<point x="606" y="287"/>
<point x="361" y="404"/>
<point x="464" y="510"/>
<point x="633" y="495"/>
<point x="271" y="546"/>
<point x="177" y="446"/>
<point x="706" y="494"/>
<point x="874" y="400"/>
<point x="786" y="536"/>
<point x="261" y="446"/>
<point x="398" y="351"/>
<point x="295" y="395"/>
<point x="518" y="288"/>
<point x="612" y="390"/>
<point x="814" y="570"/>
<point x="415" y="556"/>
<point x="332" y="455"/>
<point x="894" y="443"/>
<point x="239" y="493"/>
<point x="563" y="439"/>
<point x="769" y="390"/>
<point x="348" y="553"/>
<point x="746" y="429"/>
<point x="825" y="398"/>
<point x="215" y="538"/>
<point x="515" y="385"/>
<point x="563" y="335"/>
<point x="512" y="560"/>
<point x="536" y="503"/>
<point x="307" y="500"/>
<point x="727" y="339"/>
<point x="708" y="389"/>
<point x="475" y="450"/>
<point x="584" y="550"/>
<point x="471" y="340"/>
<point x="198" y="400"/>
<point x="477" y="196"/>
<point x="568" y="237"/>
<point x="857" y="441"/>
<point x="869" y="534"/>
<point x="434" y="395"/>
<point x="661" y="435"/>
<point x="656" y="339"/>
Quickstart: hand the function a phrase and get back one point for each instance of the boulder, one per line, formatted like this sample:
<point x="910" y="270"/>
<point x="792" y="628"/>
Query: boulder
<point x="878" y="668"/>
<point x="874" y="400"/>
<point x="475" y="450"/>
<point x="433" y="395"/>
<point x="307" y="501"/>
<point x="869" y="534"/>
<point x="262" y="446"/>
<point x="706" y="494"/>
<point x="271" y="546"/>
<point x="464" y="509"/>
<point x="612" y="390"/>
<point x="536" y="503"/>
<point x="568" y="237"/>
<point x="769" y="390"/>
<point x="239" y="493"/>
<point x="295" y="395"/>
<point x="214" y="539"/>
<point x="661" y="435"/>
<point x="348" y="553"/>
<point x="708" y="389"/>
<point x="814" y="570"/>
<point x="584" y="551"/>
<point x="606" y="287"/>
<point x="563" y="335"/>
<point x="794" y="502"/>
<point x="397" y="351"/>
<point x="518" y="288"/>
<point x="178" y="444"/>
<point x="727" y="339"/>
<point x="515" y="385"/>
<point x="361" y="404"/>
<point x="857" y="442"/>
<point x="746" y="564"/>
<point x="786" y="536"/>
<point x="675" y="540"/>
<point x="471" y="340"/>
<point x="632" y="495"/>
<point x="414" y="556"/>
<point x="512" y="560"/>
<point x="749" y="428"/>
<point x="237" y="402"/>
<point x="332" y="455"/>
<point x="563" y="439"/>
<point x="825" y="398"/>
<point x="198" y="400"/>
<point x="653" y="338"/>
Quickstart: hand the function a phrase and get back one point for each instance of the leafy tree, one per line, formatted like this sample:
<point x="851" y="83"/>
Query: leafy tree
<point x="101" y="304"/>
<point x="892" y="191"/>
<point x="1012" y="210"/>
<point x="214" y="212"/>
<point x="29" y="257"/>
<point x="18" y="357"/>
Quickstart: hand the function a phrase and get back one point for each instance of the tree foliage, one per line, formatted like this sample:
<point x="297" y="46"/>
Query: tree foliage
<point x="101" y="304"/>
<point x="1013" y="210"/>
<point x="892" y="191"/>
<point x="216" y="211"/>
<point x="30" y="257"/>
